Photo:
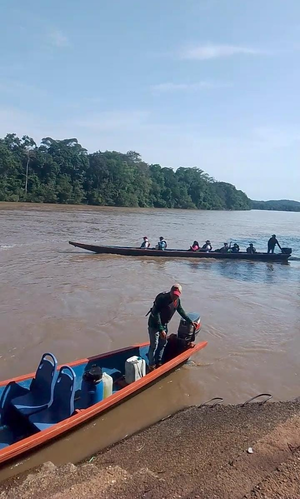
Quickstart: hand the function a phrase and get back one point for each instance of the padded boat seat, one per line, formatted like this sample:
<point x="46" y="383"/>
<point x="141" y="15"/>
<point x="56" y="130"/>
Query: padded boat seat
<point x="62" y="406"/>
<point x="40" y="394"/>
<point x="6" y="437"/>
<point x="11" y="391"/>
<point x="30" y="403"/>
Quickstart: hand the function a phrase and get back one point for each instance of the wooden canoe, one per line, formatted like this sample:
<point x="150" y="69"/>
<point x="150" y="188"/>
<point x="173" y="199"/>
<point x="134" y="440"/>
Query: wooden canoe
<point x="112" y="363"/>
<point x="178" y="253"/>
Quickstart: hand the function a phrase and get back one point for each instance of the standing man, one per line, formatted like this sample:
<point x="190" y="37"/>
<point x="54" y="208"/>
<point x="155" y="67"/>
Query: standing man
<point x="164" y="307"/>
<point x="272" y="243"/>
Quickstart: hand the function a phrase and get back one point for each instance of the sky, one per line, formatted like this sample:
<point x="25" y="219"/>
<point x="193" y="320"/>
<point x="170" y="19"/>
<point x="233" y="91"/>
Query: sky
<point x="207" y="83"/>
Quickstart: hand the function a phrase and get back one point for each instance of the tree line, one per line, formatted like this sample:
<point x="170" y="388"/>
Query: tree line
<point x="62" y="171"/>
<point x="276" y="205"/>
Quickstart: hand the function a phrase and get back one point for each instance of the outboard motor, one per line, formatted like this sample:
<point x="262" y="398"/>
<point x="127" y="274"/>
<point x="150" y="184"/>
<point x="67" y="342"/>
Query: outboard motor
<point x="187" y="331"/>
<point x="186" y="334"/>
<point x="286" y="251"/>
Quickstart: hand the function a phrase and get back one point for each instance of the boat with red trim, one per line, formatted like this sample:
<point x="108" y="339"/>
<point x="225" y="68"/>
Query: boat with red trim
<point x="37" y="408"/>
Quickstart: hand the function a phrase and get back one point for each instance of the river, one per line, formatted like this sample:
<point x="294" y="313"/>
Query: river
<point x="56" y="298"/>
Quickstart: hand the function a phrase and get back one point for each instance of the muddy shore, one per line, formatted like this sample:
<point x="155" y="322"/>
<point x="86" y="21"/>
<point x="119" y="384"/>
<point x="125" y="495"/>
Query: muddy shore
<point x="197" y="453"/>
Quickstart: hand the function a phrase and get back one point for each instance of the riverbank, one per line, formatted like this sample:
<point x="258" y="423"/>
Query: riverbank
<point x="197" y="453"/>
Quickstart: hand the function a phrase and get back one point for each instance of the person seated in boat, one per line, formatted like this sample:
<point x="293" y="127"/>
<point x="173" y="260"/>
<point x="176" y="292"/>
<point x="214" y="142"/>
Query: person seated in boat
<point x="251" y="249"/>
<point x="207" y="246"/>
<point x="224" y="248"/>
<point x="235" y="248"/>
<point x="272" y="243"/>
<point x="162" y="243"/>
<point x="146" y="243"/>
<point x="164" y="307"/>
<point x="195" y="246"/>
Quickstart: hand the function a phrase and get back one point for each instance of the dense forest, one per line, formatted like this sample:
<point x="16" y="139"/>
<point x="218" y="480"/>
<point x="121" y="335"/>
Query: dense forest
<point x="62" y="171"/>
<point x="276" y="205"/>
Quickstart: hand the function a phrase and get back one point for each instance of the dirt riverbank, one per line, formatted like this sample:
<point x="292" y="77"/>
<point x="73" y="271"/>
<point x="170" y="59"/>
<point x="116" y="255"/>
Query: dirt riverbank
<point x="197" y="453"/>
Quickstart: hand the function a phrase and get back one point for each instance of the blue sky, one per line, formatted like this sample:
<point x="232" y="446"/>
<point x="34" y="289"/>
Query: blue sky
<point x="207" y="83"/>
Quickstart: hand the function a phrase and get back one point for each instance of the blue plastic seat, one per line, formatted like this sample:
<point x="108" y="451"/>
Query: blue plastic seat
<point x="6" y="437"/>
<point x="11" y="391"/>
<point x="40" y="394"/>
<point x="62" y="406"/>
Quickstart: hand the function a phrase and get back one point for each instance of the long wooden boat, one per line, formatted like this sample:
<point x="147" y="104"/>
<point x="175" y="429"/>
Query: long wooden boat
<point x="29" y="421"/>
<point x="178" y="253"/>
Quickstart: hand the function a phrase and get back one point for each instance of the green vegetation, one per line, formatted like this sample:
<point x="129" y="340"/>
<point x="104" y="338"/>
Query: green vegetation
<point x="61" y="171"/>
<point x="280" y="205"/>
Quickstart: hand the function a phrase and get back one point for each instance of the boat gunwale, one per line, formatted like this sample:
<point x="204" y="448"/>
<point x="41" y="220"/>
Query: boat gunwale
<point x="82" y="415"/>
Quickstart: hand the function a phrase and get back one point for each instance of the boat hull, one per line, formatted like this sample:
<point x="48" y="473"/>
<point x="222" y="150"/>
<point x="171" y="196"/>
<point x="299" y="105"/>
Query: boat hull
<point x="20" y="449"/>
<point x="176" y="253"/>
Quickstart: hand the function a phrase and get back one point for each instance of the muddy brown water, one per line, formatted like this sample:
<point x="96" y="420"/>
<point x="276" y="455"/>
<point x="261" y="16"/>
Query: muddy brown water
<point x="54" y="297"/>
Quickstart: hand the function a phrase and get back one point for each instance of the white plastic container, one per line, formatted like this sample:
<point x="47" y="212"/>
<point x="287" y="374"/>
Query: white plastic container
<point x="135" y="368"/>
<point x="107" y="385"/>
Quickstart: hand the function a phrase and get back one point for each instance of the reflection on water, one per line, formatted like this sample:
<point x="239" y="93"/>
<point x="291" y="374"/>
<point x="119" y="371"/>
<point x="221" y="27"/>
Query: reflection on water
<point x="257" y="272"/>
<point x="60" y="299"/>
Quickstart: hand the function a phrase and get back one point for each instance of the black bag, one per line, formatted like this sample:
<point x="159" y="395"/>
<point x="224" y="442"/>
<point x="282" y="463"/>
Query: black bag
<point x="93" y="374"/>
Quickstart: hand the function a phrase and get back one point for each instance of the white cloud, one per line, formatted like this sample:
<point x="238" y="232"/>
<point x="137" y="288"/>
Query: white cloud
<point x="177" y="87"/>
<point x="58" y="39"/>
<point x="214" y="51"/>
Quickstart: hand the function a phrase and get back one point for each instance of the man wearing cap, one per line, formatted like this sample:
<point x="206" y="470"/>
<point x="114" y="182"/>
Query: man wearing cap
<point x="164" y="307"/>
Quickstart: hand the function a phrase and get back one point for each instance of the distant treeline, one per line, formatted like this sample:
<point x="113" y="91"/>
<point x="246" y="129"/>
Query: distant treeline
<point x="62" y="171"/>
<point x="280" y="205"/>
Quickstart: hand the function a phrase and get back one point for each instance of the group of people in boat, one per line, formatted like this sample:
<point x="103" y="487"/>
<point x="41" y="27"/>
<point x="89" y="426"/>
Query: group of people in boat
<point x="207" y="246"/>
<point x="234" y="248"/>
<point x="161" y="245"/>
<point x="226" y="248"/>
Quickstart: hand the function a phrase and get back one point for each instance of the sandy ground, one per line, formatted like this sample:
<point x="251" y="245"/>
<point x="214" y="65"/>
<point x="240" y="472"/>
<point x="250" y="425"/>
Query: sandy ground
<point x="197" y="453"/>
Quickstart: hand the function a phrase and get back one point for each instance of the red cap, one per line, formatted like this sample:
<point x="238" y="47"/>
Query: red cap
<point x="176" y="289"/>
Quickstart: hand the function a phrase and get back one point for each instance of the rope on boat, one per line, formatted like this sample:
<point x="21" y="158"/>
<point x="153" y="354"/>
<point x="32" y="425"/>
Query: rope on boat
<point x="267" y="395"/>
<point x="215" y="400"/>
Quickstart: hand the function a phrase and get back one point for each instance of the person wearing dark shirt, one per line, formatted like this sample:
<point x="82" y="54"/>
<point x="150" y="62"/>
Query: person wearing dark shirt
<point x="224" y="248"/>
<point x="251" y="249"/>
<point x="207" y="246"/>
<point x="272" y="243"/>
<point x="146" y="243"/>
<point x="164" y="307"/>
<point x="235" y="248"/>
